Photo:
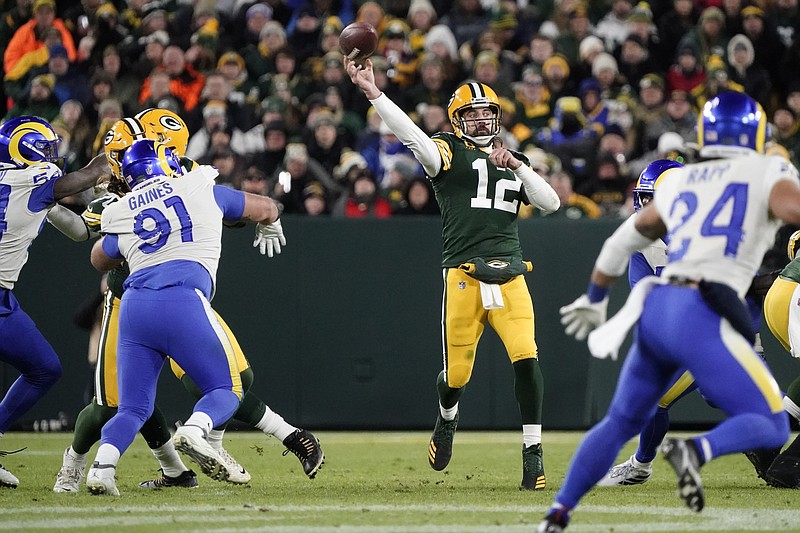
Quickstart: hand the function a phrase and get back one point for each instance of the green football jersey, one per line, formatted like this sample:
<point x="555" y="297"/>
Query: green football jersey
<point x="478" y="201"/>
<point x="92" y="215"/>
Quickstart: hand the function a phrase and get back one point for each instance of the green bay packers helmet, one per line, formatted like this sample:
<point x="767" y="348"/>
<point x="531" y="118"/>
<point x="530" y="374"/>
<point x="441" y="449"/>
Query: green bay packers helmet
<point x="794" y="244"/>
<point x="167" y="127"/>
<point x="474" y="95"/>
<point x="119" y="138"/>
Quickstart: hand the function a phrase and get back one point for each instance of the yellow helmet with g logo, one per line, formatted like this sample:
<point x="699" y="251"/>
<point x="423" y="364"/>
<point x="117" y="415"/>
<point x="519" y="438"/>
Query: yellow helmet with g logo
<point x="167" y="127"/>
<point x="119" y="138"/>
<point x="474" y="95"/>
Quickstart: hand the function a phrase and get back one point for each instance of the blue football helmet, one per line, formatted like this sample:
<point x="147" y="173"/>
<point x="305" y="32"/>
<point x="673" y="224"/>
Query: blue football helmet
<point x="28" y="140"/>
<point x="148" y="159"/>
<point x="731" y="124"/>
<point x="649" y="179"/>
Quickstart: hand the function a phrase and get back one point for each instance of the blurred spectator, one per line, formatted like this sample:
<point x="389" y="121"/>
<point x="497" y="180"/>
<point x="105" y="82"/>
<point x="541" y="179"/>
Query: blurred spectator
<point x="418" y="198"/>
<point x="767" y="44"/>
<point x="688" y="72"/>
<point x="486" y="70"/>
<point x="555" y="73"/>
<point x="259" y="58"/>
<point x="395" y="48"/>
<point x="94" y="25"/>
<point x="38" y="100"/>
<point x="372" y="13"/>
<point x="216" y="122"/>
<point x="787" y="21"/>
<point x="533" y="103"/>
<point x="350" y="164"/>
<point x="634" y="60"/>
<point x="14" y="16"/>
<point x="384" y="154"/>
<point x="27" y="45"/>
<point x="793" y="97"/>
<point x="432" y="87"/>
<point x="402" y="171"/>
<point x="466" y="19"/>
<point x="256" y="17"/>
<point x="640" y="24"/>
<point x="717" y="81"/>
<point x="36" y="63"/>
<point x="433" y="118"/>
<point x="573" y="205"/>
<point x="613" y="27"/>
<point x="218" y="88"/>
<point x="314" y="201"/>
<point x="286" y="78"/>
<point x="708" y="37"/>
<point x="160" y="95"/>
<point x="364" y="200"/>
<point x="672" y="26"/>
<point x="303" y="38"/>
<point x="350" y="123"/>
<point x="71" y="84"/>
<point x="606" y="71"/>
<point x="754" y="78"/>
<point x="75" y="132"/>
<point x="592" y="105"/>
<point x="226" y="162"/>
<point x="101" y="86"/>
<point x="329" y="35"/>
<point x="590" y="47"/>
<point x="254" y="181"/>
<point x="608" y="188"/>
<point x="421" y="18"/>
<point x="569" y="138"/>
<point x="578" y="28"/>
<point x="243" y="90"/>
<point x="275" y="137"/>
<point x="297" y="172"/>
<point x="732" y="9"/>
<point x="786" y="131"/>
<point x="540" y="50"/>
<point x="441" y="42"/>
<point x="185" y="82"/>
<point x="670" y="146"/>
<point x="109" y="112"/>
<point x="125" y="84"/>
<point x="325" y="145"/>
<point x="649" y="115"/>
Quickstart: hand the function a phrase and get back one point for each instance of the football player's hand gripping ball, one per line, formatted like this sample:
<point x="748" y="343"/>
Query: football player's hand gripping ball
<point x="582" y="316"/>
<point x="269" y="238"/>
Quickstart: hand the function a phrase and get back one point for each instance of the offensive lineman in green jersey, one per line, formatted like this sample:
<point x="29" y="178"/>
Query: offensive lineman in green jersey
<point x="170" y="129"/>
<point x="479" y="185"/>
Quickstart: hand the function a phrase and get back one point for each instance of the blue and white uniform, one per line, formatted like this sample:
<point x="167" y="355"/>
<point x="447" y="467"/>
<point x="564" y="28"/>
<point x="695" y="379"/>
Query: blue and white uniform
<point x="719" y="229"/>
<point x="26" y="194"/>
<point x="169" y="231"/>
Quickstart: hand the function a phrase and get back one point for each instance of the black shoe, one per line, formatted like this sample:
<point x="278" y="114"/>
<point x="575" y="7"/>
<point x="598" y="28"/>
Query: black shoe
<point x="186" y="479"/>
<point x="532" y="468"/>
<point x="761" y="460"/>
<point x="306" y="447"/>
<point x="554" y="522"/>
<point x="784" y="472"/>
<point x="440" y="448"/>
<point x="685" y="459"/>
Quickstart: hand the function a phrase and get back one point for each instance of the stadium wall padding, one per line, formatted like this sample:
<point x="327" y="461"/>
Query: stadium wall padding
<point x="343" y="328"/>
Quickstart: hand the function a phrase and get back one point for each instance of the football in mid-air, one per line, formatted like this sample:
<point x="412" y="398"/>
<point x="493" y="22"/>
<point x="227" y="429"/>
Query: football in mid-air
<point x="358" y="40"/>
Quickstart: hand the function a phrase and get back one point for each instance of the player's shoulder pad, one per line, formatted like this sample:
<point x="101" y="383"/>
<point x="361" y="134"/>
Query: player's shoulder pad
<point x="93" y="213"/>
<point x="189" y="164"/>
<point x="45" y="171"/>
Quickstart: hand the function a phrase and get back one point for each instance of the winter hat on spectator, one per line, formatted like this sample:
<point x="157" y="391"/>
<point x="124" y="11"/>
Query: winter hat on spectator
<point x="588" y="45"/>
<point x="258" y="9"/>
<point x="421" y="5"/>
<point x="44" y="3"/>
<point x="109" y="107"/>
<point x="58" y="50"/>
<point x="158" y="36"/>
<point x="641" y="13"/>
<point x="556" y="60"/>
<point x="296" y="152"/>
<point x="604" y="61"/>
<point x="45" y="80"/>
<point x="230" y="57"/>
<point x="444" y="35"/>
<point x="349" y="160"/>
<point x="272" y="27"/>
<point x="651" y="80"/>
<point x="712" y="13"/>
<point x="323" y="117"/>
<point x="502" y="19"/>
<point x="752" y="11"/>
<point x="215" y="108"/>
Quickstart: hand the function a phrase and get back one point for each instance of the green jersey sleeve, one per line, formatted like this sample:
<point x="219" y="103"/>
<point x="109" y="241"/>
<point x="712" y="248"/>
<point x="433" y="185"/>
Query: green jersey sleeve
<point x="94" y="211"/>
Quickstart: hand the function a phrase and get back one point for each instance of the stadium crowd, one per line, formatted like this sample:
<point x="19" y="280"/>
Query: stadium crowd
<point x="591" y="92"/>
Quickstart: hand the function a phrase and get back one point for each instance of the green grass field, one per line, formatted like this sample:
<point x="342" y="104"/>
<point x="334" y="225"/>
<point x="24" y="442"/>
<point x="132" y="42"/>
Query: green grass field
<point x="380" y="482"/>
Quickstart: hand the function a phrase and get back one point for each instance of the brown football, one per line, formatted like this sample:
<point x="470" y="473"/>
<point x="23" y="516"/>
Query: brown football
<point x="358" y="40"/>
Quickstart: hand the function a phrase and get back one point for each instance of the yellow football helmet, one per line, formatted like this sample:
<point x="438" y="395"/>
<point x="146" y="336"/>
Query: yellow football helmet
<point x="474" y="95"/>
<point x="120" y="137"/>
<point x="167" y="127"/>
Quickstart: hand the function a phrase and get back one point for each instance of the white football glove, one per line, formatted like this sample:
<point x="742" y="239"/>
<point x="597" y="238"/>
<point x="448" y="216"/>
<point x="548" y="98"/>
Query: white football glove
<point x="269" y="238"/>
<point x="582" y="316"/>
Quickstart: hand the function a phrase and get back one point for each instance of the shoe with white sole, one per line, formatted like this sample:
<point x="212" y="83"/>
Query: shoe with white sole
<point x="192" y="441"/>
<point x="71" y="474"/>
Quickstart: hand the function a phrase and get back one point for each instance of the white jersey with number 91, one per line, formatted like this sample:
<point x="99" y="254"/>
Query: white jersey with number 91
<point x="717" y="214"/>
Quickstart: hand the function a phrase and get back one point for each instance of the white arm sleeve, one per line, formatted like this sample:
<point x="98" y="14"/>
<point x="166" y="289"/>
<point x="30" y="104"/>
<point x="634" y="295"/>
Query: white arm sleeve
<point x="613" y="258"/>
<point x="69" y="223"/>
<point x="410" y="134"/>
<point x="539" y="192"/>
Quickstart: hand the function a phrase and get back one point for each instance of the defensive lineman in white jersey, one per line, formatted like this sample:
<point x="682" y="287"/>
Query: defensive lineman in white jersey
<point x="720" y="216"/>
<point x="169" y="229"/>
<point x="30" y="184"/>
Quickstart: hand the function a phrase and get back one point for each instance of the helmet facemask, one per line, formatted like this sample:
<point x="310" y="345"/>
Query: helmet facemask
<point x="479" y="97"/>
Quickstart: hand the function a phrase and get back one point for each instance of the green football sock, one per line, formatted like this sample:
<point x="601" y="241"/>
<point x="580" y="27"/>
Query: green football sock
<point x="88" y="426"/>
<point x="156" y="429"/>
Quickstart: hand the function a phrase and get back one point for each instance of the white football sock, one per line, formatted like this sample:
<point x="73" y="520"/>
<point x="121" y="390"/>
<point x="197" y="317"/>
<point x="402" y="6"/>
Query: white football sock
<point x="449" y="414"/>
<point x="107" y="454"/>
<point x="201" y="420"/>
<point x="273" y="424"/>
<point x="531" y="434"/>
<point x="215" y="438"/>
<point x="169" y="460"/>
